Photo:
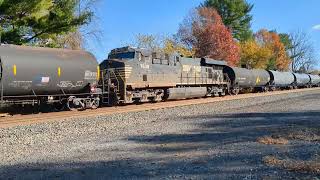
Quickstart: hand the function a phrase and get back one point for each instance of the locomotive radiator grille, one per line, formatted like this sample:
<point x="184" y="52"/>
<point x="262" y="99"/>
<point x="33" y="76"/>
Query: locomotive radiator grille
<point x="124" y="72"/>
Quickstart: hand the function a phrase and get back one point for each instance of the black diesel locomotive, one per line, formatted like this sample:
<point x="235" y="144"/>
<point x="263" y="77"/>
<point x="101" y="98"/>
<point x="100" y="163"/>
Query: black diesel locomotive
<point x="74" y="79"/>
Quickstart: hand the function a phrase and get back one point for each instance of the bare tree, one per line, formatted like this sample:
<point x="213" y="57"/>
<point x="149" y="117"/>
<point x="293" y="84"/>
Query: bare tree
<point x="90" y="32"/>
<point x="72" y="40"/>
<point x="301" y="52"/>
<point x="185" y="34"/>
<point x="149" y="41"/>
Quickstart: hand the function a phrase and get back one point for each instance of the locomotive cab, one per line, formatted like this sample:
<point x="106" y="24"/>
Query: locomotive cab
<point x="136" y="74"/>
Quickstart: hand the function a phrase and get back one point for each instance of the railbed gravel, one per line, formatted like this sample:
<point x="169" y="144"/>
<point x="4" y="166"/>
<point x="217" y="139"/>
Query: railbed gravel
<point x="216" y="140"/>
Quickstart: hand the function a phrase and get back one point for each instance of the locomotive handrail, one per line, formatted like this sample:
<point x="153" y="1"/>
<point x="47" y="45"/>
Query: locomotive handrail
<point x="115" y="75"/>
<point x="1" y="69"/>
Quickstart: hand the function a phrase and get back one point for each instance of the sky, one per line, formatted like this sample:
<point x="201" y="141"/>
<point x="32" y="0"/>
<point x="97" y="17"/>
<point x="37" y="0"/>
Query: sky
<point x="118" y="21"/>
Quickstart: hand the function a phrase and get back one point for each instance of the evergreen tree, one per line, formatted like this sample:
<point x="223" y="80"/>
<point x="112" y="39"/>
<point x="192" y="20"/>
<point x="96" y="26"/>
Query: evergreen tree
<point x="39" y="22"/>
<point x="235" y="15"/>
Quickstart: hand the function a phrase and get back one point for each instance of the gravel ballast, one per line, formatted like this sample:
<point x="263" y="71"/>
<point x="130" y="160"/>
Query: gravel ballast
<point x="217" y="140"/>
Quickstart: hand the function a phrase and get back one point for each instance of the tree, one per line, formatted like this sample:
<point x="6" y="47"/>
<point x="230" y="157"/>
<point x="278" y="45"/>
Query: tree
<point x="40" y="22"/>
<point x="316" y="72"/>
<point x="161" y="44"/>
<point x="235" y="15"/>
<point x="204" y="33"/>
<point x="286" y="41"/>
<point x="270" y="39"/>
<point x="148" y="41"/>
<point x="301" y="51"/>
<point x="254" y="55"/>
<point x="171" y="46"/>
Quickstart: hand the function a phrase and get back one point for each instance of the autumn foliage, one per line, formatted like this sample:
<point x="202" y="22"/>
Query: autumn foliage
<point x="203" y="34"/>
<point x="265" y="51"/>
<point x="280" y="59"/>
<point x="207" y="36"/>
<point x="170" y="47"/>
<point x="254" y="55"/>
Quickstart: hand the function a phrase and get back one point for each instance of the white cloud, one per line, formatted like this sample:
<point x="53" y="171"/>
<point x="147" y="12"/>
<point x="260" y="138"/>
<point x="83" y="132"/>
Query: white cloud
<point x="316" y="27"/>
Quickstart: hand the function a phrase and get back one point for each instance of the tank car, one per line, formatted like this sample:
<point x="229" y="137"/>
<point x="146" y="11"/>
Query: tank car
<point x="283" y="80"/>
<point x="301" y="80"/>
<point x="315" y="80"/>
<point x="245" y="79"/>
<point x="138" y="75"/>
<point x="60" y="77"/>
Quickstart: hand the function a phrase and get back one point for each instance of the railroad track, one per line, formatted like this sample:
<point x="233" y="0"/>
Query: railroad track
<point x="18" y="120"/>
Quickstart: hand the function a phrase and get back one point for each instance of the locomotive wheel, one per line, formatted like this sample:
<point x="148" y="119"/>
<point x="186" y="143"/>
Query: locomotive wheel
<point x="235" y="91"/>
<point x="222" y="94"/>
<point x="265" y="89"/>
<point x="114" y="100"/>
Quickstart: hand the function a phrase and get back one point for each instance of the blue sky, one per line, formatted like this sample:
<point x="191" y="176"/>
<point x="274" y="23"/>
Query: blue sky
<point x="120" y="20"/>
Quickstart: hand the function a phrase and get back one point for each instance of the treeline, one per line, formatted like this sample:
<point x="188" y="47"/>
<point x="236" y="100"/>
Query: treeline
<point x="221" y="29"/>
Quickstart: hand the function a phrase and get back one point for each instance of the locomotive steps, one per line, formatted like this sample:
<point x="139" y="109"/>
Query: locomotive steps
<point x="18" y="120"/>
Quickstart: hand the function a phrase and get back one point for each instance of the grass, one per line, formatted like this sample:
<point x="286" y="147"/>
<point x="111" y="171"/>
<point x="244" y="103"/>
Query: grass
<point x="306" y="135"/>
<point x="296" y="133"/>
<point x="311" y="166"/>
<point x="272" y="140"/>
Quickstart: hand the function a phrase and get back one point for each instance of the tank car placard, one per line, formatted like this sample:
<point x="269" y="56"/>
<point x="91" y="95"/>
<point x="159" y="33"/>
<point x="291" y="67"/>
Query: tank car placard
<point x="41" y="81"/>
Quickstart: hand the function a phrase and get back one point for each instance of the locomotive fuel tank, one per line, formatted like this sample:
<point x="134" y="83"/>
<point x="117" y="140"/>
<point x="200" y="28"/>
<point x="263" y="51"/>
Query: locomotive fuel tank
<point x="315" y="79"/>
<point x="301" y="79"/>
<point x="281" y="79"/>
<point x="187" y="92"/>
<point x="27" y="71"/>
<point x="246" y="78"/>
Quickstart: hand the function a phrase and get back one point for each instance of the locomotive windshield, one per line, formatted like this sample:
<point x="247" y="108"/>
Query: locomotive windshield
<point x="124" y="55"/>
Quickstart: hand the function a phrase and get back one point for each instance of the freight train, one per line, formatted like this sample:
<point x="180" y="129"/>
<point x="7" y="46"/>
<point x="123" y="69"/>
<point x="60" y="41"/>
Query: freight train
<point x="74" y="79"/>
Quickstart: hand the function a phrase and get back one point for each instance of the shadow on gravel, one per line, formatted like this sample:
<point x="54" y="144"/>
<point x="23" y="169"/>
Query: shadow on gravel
<point x="221" y="146"/>
<point x="232" y="128"/>
<point x="220" y="167"/>
<point x="235" y="136"/>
